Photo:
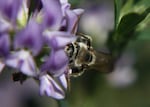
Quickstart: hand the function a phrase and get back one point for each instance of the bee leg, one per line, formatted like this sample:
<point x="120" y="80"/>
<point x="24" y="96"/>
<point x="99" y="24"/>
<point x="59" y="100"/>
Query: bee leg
<point x="68" y="80"/>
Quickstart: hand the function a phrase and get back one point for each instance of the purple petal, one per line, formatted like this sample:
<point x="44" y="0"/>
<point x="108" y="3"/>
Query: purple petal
<point x="57" y="40"/>
<point x="58" y="58"/>
<point x="9" y="8"/>
<point x="63" y="1"/>
<point x="49" y="87"/>
<point x="63" y="80"/>
<point x="64" y="7"/>
<point x="73" y="18"/>
<point x="52" y="13"/>
<point x="5" y="25"/>
<point x="4" y="45"/>
<point x="30" y="37"/>
<point x="78" y="12"/>
<point x="57" y="63"/>
<point x="23" y="61"/>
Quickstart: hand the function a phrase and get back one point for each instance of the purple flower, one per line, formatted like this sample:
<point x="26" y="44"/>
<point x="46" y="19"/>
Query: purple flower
<point x="10" y="9"/>
<point x="63" y="80"/>
<point x="5" y="25"/>
<point x="71" y="17"/>
<point x="58" y="39"/>
<point x="49" y="87"/>
<point x="4" y="44"/>
<point x="58" y="15"/>
<point x="30" y="37"/>
<point x="52" y="13"/>
<point x="53" y="27"/>
<point x="23" y="61"/>
<point x="57" y="63"/>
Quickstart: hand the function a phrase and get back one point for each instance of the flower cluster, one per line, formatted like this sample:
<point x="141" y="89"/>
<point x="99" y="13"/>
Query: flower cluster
<point x="33" y="44"/>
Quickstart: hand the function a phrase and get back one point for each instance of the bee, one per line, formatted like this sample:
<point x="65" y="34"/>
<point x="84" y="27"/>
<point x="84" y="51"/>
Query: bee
<point x="83" y="57"/>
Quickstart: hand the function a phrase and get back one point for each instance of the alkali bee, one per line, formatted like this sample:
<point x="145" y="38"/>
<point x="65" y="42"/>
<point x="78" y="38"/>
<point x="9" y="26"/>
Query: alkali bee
<point x="83" y="57"/>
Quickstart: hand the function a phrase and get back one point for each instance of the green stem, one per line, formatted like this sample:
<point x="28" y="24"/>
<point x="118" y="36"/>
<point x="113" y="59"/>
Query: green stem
<point x="62" y="103"/>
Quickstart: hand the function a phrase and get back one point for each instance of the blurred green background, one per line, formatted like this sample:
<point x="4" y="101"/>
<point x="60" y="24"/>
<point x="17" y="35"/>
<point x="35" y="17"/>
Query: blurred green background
<point x="127" y="86"/>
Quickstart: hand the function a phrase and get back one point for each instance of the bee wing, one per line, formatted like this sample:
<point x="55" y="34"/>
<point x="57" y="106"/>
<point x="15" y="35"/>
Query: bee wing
<point x="103" y="62"/>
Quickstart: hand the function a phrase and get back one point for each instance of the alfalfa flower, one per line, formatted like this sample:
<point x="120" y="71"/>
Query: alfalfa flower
<point x="22" y="44"/>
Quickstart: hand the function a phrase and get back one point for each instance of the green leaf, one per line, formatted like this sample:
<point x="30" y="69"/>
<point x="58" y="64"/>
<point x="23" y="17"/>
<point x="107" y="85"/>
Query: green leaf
<point x="117" y="5"/>
<point x="145" y="3"/>
<point x="126" y="8"/>
<point x="130" y="21"/>
<point x="75" y="3"/>
<point x="125" y="31"/>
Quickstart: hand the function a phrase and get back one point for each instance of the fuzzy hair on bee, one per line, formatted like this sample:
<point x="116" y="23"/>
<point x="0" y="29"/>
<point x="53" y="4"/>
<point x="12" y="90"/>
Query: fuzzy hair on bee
<point x="82" y="57"/>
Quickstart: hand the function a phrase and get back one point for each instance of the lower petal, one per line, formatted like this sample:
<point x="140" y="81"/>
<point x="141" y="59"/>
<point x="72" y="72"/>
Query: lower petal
<point x="49" y="87"/>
